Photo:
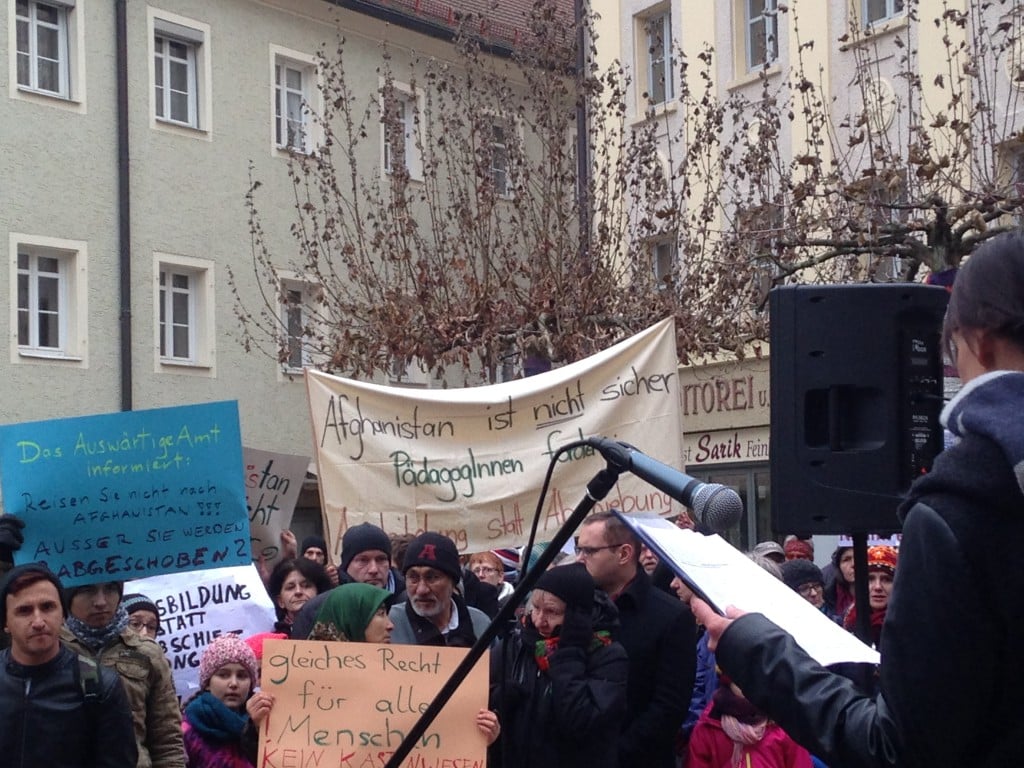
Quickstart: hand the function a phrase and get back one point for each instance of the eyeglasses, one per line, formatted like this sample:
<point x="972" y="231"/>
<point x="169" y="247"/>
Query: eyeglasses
<point x="430" y="577"/>
<point x="138" y="625"/>
<point x="483" y="570"/>
<point x="807" y="589"/>
<point x="591" y="551"/>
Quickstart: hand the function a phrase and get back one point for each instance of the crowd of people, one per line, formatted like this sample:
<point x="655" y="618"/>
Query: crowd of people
<point x="603" y="666"/>
<point x="613" y="661"/>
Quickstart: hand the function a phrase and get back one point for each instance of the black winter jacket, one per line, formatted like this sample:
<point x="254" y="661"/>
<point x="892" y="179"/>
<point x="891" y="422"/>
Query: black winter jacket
<point x="952" y="674"/>
<point x="566" y="717"/>
<point x="660" y="638"/>
<point x="47" y="721"/>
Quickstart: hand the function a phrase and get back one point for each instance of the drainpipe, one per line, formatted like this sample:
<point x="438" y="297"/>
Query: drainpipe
<point x="124" y="220"/>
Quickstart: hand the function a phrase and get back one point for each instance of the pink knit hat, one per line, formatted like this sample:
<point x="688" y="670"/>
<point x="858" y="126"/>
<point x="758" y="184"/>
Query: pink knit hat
<point x="226" y="649"/>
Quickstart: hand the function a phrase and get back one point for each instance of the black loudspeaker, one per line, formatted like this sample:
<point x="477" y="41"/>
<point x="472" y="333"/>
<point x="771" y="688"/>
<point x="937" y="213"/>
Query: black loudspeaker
<point x="856" y="393"/>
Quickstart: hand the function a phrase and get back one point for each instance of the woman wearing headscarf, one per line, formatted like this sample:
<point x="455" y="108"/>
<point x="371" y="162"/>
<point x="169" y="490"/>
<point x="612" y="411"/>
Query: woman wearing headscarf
<point x="950" y="692"/>
<point x="559" y="680"/>
<point x="354" y="613"/>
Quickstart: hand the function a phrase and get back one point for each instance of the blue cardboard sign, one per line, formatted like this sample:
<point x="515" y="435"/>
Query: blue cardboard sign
<point x="126" y="495"/>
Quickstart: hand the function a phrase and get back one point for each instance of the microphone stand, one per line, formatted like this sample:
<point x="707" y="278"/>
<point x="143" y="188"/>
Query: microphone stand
<point x="597" y="489"/>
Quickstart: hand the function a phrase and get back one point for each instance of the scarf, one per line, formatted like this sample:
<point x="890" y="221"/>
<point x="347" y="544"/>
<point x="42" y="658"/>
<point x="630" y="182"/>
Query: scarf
<point x="990" y="405"/>
<point x="546" y="646"/>
<point x="347" y="611"/>
<point x="93" y="638"/>
<point x="877" y="620"/>
<point x="742" y="735"/>
<point x="214" y="720"/>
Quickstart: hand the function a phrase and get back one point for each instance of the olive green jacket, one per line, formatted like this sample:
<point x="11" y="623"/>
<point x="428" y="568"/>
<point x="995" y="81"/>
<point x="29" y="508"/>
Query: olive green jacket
<point x="147" y="681"/>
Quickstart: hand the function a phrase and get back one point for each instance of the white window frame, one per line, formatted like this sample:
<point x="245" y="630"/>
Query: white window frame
<point x="200" y="320"/>
<point x="311" y="97"/>
<point x="500" y="159"/>
<point x="70" y="91"/>
<point x="658" y="63"/>
<point x="164" y="29"/>
<point x="164" y="61"/>
<point x="412" y="106"/>
<point x="664" y="262"/>
<point x="766" y="18"/>
<point x="72" y="298"/>
<point x="300" y="311"/>
<point x="892" y="9"/>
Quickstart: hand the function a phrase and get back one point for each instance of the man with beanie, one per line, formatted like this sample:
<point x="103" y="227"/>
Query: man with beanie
<point x="659" y="635"/>
<point x="366" y="558"/>
<point x="315" y="548"/>
<point x="433" y="613"/>
<point x="57" y="710"/>
<point x="97" y="627"/>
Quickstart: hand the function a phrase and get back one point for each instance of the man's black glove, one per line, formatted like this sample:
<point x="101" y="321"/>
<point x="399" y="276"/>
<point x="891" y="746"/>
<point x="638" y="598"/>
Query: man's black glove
<point x="11" y="537"/>
<point x="577" y="629"/>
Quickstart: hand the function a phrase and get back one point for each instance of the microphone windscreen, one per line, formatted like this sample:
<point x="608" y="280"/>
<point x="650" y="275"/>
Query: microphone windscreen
<point x="717" y="507"/>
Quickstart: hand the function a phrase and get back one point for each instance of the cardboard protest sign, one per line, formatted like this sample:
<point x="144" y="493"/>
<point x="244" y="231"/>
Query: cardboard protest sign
<point x="470" y="463"/>
<point x="273" y="482"/>
<point x="130" y="494"/>
<point x="198" y="606"/>
<point x="351" y="704"/>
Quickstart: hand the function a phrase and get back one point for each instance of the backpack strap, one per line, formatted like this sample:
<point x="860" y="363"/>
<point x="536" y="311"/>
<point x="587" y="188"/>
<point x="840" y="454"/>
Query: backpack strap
<point x="88" y="672"/>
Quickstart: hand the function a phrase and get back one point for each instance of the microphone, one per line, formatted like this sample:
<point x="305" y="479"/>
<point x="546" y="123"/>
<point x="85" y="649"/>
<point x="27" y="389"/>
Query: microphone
<point x="715" y="507"/>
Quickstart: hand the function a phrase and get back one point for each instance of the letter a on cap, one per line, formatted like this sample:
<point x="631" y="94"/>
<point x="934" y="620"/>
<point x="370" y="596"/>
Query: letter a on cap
<point x="428" y="553"/>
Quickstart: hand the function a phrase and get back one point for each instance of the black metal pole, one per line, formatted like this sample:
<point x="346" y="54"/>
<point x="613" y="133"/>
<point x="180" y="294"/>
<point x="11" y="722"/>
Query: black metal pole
<point x="597" y="489"/>
<point x="860" y="587"/>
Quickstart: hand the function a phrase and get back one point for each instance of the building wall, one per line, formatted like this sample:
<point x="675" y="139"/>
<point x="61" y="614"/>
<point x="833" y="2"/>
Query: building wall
<point x="188" y="190"/>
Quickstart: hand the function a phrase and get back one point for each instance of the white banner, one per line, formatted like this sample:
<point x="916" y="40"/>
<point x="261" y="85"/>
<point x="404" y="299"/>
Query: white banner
<point x="470" y="463"/>
<point x="197" y="606"/>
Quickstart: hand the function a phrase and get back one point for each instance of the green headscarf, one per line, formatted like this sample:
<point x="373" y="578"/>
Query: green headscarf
<point x="347" y="611"/>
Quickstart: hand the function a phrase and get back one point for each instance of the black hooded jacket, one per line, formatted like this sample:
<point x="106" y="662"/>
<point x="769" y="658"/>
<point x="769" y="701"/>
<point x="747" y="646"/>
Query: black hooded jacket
<point x="567" y="717"/>
<point x="952" y="667"/>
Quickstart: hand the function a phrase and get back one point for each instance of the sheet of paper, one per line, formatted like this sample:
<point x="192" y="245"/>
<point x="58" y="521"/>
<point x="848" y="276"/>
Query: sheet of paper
<point x="725" y="576"/>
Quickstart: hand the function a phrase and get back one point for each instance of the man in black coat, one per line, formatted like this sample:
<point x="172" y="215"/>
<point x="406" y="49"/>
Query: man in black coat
<point x="659" y="635"/>
<point x="57" y="710"/>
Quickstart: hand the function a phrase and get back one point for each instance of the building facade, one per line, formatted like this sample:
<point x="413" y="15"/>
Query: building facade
<point x="884" y="80"/>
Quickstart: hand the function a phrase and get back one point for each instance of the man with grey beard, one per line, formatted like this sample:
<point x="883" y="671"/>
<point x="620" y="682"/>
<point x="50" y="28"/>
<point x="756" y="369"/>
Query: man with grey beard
<point x="433" y="612"/>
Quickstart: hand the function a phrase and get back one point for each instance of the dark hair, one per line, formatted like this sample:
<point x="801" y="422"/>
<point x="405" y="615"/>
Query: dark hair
<point x="988" y="292"/>
<point x="616" y="531"/>
<point x="311" y="569"/>
<point x="399" y="545"/>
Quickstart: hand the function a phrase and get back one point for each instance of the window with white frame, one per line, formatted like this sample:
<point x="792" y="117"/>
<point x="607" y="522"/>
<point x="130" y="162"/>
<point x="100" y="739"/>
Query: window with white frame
<point x="663" y="262"/>
<point x="298" y="321"/>
<point x="881" y="10"/>
<point x="399" y="111"/>
<point x="42" y="299"/>
<point x="175" y="82"/>
<point x="184" y="311"/>
<point x="181" y="77"/>
<point x="43" y="53"/>
<point x="658" y="64"/>
<point x="178" y="315"/>
<point x="760" y="34"/>
<point x="500" y="137"/>
<point x="291" y="114"/>
<point x="48" y="297"/>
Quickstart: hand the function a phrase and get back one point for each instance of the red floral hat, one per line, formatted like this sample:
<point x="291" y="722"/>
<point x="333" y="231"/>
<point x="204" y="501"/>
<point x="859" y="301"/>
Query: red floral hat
<point x="882" y="558"/>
